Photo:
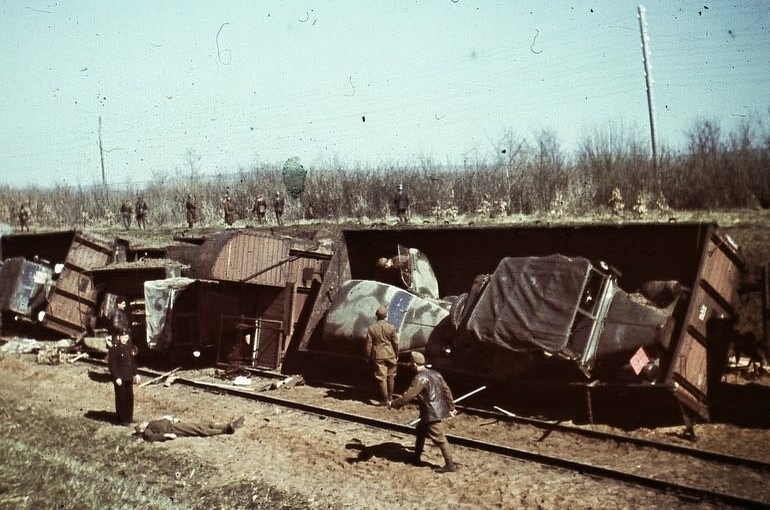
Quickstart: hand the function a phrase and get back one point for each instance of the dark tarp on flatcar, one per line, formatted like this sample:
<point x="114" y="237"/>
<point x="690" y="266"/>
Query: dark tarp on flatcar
<point x="529" y="301"/>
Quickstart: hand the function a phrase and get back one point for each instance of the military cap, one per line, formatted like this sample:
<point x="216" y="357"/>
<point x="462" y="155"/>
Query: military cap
<point x="417" y="358"/>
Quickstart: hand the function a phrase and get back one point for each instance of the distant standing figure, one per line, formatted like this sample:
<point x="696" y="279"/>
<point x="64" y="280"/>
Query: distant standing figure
<point x="192" y="211"/>
<point x="118" y="320"/>
<point x="260" y="208"/>
<point x="169" y="427"/>
<point x="229" y="209"/>
<point x="401" y="201"/>
<point x="126" y="211"/>
<point x="122" y="364"/>
<point x="382" y="351"/>
<point x="279" y="205"/>
<point x="436" y="405"/>
<point x="24" y="214"/>
<point x="141" y="213"/>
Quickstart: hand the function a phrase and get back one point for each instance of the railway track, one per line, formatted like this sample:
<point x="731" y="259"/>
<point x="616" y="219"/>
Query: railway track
<point x="739" y="478"/>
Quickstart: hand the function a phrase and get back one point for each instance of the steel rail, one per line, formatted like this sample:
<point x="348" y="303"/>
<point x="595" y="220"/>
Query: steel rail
<point x="659" y="485"/>
<point x="710" y="455"/>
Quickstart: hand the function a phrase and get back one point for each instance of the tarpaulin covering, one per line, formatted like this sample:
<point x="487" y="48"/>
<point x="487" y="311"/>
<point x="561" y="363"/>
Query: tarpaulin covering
<point x="529" y="302"/>
<point x="158" y="301"/>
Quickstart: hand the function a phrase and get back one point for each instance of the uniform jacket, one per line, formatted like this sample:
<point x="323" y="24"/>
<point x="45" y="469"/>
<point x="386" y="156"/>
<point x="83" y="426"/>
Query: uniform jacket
<point x="279" y="204"/>
<point x="191" y="209"/>
<point x="141" y="208"/>
<point x="382" y="341"/>
<point x="260" y="206"/>
<point x="401" y="200"/>
<point x="156" y="429"/>
<point x="121" y="361"/>
<point x="434" y="396"/>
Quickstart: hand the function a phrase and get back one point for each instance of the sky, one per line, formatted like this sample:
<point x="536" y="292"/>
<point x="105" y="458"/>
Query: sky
<point x="227" y="85"/>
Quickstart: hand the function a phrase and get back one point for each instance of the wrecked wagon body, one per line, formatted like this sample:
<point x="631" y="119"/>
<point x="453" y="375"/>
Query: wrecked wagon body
<point x="552" y="306"/>
<point x="675" y="337"/>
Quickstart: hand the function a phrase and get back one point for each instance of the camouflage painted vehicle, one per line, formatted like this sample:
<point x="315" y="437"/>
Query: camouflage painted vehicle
<point x="417" y="319"/>
<point x="530" y="312"/>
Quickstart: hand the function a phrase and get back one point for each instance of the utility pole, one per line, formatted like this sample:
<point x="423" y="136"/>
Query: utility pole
<point x="101" y="151"/>
<point x="649" y="81"/>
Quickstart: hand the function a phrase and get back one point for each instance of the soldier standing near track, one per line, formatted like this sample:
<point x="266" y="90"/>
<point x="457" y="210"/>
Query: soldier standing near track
<point x="382" y="351"/>
<point x="123" y="371"/>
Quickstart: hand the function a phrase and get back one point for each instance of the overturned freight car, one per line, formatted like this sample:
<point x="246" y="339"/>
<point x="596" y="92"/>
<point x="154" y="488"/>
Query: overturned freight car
<point x="557" y="305"/>
<point x="67" y="305"/>
<point x="239" y="300"/>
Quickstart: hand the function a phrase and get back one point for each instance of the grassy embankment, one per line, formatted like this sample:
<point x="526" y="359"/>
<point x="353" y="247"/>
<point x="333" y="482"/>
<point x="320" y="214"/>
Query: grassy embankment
<point x="64" y="463"/>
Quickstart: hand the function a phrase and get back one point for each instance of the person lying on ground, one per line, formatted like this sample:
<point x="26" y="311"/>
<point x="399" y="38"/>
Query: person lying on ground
<point x="168" y="427"/>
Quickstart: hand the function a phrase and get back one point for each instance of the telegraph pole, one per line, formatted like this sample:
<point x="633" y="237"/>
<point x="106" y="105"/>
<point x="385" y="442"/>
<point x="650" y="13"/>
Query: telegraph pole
<point x="101" y="151"/>
<point x="649" y="81"/>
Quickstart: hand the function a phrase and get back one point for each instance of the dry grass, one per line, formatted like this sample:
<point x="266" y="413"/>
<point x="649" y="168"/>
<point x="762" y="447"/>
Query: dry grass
<point x="55" y="463"/>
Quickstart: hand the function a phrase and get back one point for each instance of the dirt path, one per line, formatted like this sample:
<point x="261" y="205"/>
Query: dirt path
<point x="322" y="459"/>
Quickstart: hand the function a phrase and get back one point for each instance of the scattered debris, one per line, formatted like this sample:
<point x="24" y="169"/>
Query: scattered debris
<point x="160" y="377"/>
<point x="21" y="346"/>
<point x="54" y="355"/>
<point x="287" y="383"/>
<point x="242" y="380"/>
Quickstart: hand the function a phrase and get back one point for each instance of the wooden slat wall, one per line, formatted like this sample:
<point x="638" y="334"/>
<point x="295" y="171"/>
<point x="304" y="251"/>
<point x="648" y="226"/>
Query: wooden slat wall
<point x="74" y="297"/>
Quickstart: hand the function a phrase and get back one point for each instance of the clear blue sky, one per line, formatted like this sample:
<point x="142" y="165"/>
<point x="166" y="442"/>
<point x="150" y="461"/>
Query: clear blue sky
<point x="241" y="82"/>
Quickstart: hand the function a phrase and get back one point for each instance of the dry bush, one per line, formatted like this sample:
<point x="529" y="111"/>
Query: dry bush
<point x="527" y="177"/>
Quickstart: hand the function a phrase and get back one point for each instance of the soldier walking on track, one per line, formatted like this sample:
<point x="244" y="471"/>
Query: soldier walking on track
<point x="436" y="405"/>
<point x="382" y="351"/>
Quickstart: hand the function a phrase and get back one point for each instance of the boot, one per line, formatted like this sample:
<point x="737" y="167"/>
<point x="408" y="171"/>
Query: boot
<point x="449" y="465"/>
<point x="384" y="400"/>
<point x="418" y="447"/>
<point x="391" y="383"/>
